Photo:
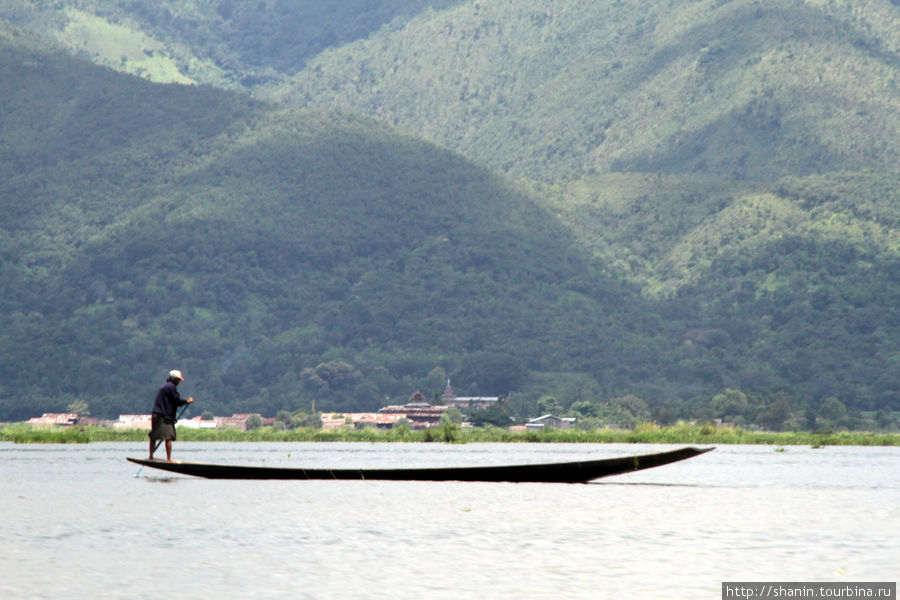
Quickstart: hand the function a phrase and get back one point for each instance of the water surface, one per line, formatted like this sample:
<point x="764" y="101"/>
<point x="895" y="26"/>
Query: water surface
<point x="78" y="523"/>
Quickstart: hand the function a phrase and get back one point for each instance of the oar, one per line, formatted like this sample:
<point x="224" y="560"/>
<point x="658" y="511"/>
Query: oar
<point x="158" y="442"/>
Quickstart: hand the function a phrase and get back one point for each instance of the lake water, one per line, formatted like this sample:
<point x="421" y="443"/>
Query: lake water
<point x="78" y="521"/>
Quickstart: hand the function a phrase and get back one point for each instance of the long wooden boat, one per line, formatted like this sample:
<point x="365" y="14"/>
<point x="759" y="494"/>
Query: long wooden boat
<point x="562" y="472"/>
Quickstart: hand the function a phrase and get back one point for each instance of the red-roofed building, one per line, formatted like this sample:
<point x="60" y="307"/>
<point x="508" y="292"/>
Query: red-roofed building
<point x="54" y="420"/>
<point x="419" y="413"/>
<point x="237" y="420"/>
<point x="359" y="420"/>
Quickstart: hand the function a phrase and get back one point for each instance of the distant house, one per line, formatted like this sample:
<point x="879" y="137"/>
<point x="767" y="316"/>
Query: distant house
<point x="550" y="422"/>
<point x="452" y="400"/>
<point x="236" y="421"/>
<point x="54" y="420"/>
<point x="361" y="420"/>
<point x="132" y="422"/>
<point x="332" y="421"/>
<point x="198" y="423"/>
<point x="419" y="413"/>
<point x="379" y="420"/>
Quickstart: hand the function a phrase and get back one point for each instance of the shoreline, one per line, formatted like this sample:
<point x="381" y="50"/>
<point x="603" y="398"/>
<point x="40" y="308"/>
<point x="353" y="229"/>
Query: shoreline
<point x="645" y="433"/>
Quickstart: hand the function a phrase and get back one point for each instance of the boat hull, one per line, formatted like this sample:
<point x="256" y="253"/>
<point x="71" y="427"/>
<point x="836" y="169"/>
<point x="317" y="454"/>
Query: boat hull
<point x="565" y="472"/>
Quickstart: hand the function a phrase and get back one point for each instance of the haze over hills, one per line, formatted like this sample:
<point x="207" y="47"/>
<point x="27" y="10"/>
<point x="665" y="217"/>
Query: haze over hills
<point x="742" y="89"/>
<point x="229" y="43"/>
<point x="713" y="205"/>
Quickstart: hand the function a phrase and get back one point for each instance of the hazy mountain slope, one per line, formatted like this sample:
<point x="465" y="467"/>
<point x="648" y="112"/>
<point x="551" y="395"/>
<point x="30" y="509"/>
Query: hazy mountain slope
<point x="741" y="89"/>
<point x="228" y="43"/>
<point x="806" y="278"/>
<point x="638" y="221"/>
<point x="790" y="285"/>
<point x="82" y="146"/>
<point x="277" y="257"/>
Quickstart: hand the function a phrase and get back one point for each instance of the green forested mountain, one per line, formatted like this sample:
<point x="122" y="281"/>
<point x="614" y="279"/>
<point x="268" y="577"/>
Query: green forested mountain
<point x="741" y="89"/>
<point x="704" y="222"/>
<point x="543" y="89"/>
<point x="278" y="257"/>
<point x="230" y="43"/>
<point x="794" y="284"/>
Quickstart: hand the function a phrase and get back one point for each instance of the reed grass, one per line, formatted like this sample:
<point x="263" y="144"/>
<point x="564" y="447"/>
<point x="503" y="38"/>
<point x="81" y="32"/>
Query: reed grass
<point x="22" y="433"/>
<point x="643" y="433"/>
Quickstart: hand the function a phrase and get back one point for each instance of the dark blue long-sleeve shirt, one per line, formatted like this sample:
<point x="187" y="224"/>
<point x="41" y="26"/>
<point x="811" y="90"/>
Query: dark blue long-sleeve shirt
<point x="167" y="400"/>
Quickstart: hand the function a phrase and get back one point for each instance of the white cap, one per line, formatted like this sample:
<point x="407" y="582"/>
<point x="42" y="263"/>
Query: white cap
<point x="175" y="374"/>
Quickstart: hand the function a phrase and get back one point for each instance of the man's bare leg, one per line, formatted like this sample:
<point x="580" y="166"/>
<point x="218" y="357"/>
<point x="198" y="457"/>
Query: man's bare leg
<point x="168" y="450"/>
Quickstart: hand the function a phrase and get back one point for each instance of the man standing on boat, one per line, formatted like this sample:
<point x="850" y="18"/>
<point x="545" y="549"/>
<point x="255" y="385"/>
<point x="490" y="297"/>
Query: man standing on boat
<point x="163" y="415"/>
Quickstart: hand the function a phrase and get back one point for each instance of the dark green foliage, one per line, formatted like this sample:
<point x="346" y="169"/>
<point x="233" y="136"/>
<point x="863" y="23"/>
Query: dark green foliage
<point x="784" y="287"/>
<point x="279" y="258"/>
<point x="298" y="260"/>
<point x="495" y="415"/>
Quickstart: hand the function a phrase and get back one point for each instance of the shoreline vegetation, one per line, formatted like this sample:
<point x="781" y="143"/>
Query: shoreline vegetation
<point x="643" y="433"/>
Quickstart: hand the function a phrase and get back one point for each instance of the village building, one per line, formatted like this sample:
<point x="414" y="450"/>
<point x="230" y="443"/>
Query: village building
<point x="132" y="422"/>
<point x="417" y="411"/>
<point x="550" y="422"/>
<point x="332" y="420"/>
<point x="236" y="421"/>
<point x="199" y="423"/>
<point x="360" y="420"/>
<point x="462" y="402"/>
<point x="54" y="420"/>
